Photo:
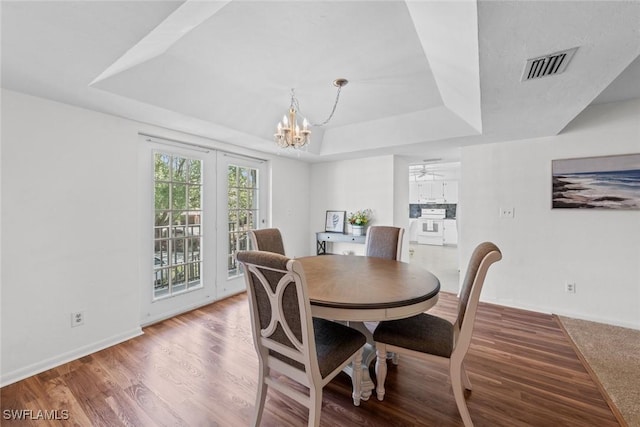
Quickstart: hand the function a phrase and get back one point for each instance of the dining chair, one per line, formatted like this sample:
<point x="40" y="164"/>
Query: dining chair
<point x="384" y="242"/>
<point x="267" y="239"/>
<point x="430" y="337"/>
<point x="289" y="340"/>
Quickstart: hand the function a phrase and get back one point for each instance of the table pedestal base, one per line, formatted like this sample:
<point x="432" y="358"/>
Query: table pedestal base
<point x="366" y="386"/>
<point x="368" y="356"/>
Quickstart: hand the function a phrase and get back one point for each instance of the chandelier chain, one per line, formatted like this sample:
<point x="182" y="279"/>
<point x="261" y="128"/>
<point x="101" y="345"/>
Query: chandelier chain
<point x="294" y="102"/>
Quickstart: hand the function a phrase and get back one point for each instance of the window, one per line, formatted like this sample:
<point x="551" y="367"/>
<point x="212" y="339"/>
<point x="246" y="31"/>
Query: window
<point x="243" y="212"/>
<point x="177" y="225"/>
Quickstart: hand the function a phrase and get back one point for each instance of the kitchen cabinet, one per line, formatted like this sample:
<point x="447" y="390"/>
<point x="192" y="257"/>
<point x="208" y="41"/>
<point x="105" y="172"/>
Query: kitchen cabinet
<point x="419" y="191"/>
<point x="450" y="232"/>
<point x="413" y="229"/>
<point x="414" y="192"/>
<point x="450" y="191"/>
<point x="433" y="191"/>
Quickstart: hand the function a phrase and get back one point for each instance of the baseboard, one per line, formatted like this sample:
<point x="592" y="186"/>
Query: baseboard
<point x="47" y="364"/>
<point x="597" y="319"/>
<point x="546" y="310"/>
<point x="182" y="310"/>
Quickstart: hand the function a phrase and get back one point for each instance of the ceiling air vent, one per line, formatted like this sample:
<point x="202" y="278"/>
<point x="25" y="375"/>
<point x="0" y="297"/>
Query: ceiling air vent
<point x="548" y="65"/>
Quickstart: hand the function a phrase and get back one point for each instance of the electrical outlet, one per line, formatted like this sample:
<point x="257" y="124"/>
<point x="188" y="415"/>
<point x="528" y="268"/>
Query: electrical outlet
<point x="507" y="212"/>
<point x="570" y="287"/>
<point x="77" y="319"/>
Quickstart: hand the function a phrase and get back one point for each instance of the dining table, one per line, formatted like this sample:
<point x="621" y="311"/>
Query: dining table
<point x="359" y="289"/>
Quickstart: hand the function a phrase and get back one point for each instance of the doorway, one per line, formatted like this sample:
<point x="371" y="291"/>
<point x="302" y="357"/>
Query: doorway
<point x="440" y="260"/>
<point x="198" y="205"/>
<point x="433" y="230"/>
<point x="243" y="182"/>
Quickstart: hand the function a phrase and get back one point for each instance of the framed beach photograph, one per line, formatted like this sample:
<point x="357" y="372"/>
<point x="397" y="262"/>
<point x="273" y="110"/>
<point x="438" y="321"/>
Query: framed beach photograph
<point x="334" y="221"/>
<point x="606" y="182"/>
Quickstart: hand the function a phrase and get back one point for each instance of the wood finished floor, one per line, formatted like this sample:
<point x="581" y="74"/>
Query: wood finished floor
<point x="200" y="369"/>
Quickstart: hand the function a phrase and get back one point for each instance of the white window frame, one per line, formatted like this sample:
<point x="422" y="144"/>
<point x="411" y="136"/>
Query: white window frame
<point x="213" y="287"/>
<point x="166" y="267"/>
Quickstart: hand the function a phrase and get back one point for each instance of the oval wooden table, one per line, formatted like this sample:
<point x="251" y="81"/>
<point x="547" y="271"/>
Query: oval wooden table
<point x="361" y="289"/>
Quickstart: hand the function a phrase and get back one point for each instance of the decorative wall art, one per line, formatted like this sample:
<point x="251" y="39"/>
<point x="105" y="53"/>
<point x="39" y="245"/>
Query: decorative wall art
<point x="607" y="182"/>
<point x="334" y="221"/>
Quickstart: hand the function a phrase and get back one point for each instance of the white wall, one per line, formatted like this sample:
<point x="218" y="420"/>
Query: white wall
<point x="350" y="185"/>
<point x="69" y="197"/>
<point x="290" y="205"/>
<point x="401" y="201"/>
<point x="542" y="247"/>
<point x="70" y="229"/>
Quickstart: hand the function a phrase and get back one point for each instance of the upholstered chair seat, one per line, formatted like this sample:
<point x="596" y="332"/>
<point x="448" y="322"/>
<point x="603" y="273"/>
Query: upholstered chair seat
<point x="424" y="333"/>
<point x="335" y="343"/>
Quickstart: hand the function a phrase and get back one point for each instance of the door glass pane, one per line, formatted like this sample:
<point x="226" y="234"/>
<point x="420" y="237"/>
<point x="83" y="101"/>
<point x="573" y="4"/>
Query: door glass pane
<point x="177" y="229"/>
<point x="195" y="171"/>
<point x="180" y="166"/>
<point x="252" y="219"/>
<point x="194" y="225"/>
<point x="195" y="198"/>
<point x="179" y="196"/>
<point x="162" y="167"/>
<point x="162" y="195"/>
<point x="243" y="199"/>
<point x="243" y="212"/>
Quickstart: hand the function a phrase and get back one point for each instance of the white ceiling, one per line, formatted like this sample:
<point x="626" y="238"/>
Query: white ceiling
<point x="425" y="77"/>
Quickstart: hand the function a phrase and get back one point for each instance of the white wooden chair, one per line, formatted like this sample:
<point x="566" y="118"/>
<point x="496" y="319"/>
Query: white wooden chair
<point x="267" y="239"/>
<point x="287" y="339"/>
<point x="430" y="337"/>
<point x="384" y="242"/>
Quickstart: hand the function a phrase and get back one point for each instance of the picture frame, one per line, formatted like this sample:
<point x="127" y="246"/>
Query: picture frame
<point x="334" y="221"/>
<point x="604" y="182"/>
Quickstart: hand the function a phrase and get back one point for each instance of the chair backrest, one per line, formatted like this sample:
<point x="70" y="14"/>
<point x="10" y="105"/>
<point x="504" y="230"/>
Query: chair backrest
<point x="267" y="239"/>
<point x="280" y="313"/>
<point x="384" y="242"/>
<point x="481" y="259"/>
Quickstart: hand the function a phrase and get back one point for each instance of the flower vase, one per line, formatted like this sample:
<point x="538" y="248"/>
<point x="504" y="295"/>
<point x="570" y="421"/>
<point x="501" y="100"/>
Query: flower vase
<point x="357" y="230"/>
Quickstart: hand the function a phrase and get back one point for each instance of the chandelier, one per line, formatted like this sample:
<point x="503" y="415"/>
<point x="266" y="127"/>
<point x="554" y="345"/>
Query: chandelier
<point x="288" y="132"/>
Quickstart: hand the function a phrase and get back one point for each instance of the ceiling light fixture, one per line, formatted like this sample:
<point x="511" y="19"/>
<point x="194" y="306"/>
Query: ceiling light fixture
<point x="288" y="132"/>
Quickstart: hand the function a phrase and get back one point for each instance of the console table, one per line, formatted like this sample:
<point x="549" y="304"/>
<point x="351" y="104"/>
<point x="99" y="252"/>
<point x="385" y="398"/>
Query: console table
<point x="323" y="237"/>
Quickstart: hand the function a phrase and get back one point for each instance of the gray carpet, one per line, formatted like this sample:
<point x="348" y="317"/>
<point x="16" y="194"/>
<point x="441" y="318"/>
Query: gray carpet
<point x="613" y="353"/>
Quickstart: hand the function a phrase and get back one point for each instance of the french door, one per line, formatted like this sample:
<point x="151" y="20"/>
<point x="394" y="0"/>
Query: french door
<point x="244" y="181"/>
<point x="199" y="205"/>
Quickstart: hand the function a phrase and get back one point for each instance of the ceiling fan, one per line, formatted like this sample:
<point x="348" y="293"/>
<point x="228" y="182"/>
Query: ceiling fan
<point x="423" y="171"/>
